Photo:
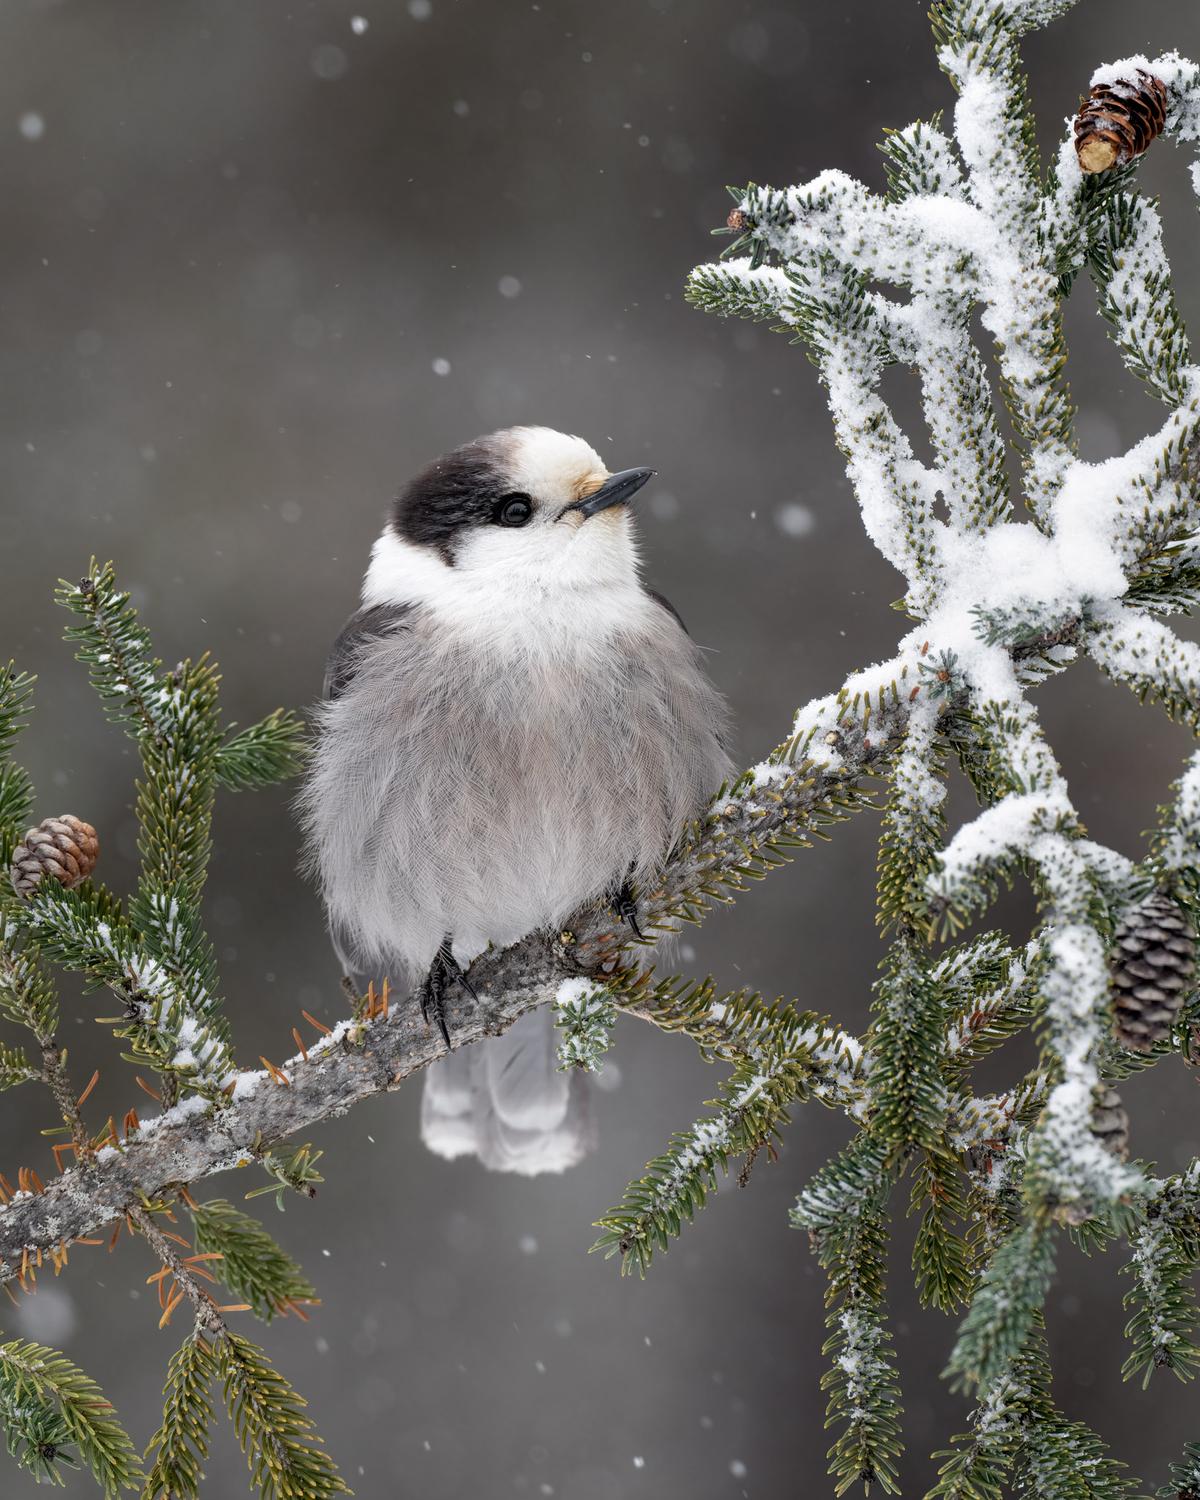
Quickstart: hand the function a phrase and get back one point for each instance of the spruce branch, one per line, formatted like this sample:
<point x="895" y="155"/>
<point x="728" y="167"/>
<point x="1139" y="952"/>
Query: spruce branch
<point x="1177" y="841"/>
<point x="165" y="1004"/>
<point x="1149" y="657"/>
<point x="54" y="1075"/>
<point x="27" y="994"/>
<point x="736" y="290"/>
<point x="1184" y="1477"/>
<point x="1129" y="264"/>
<point x="46" y="1402"/>
<point x="180" y="1446"/>
<point x="296" y="1172"/>
<point x="254" y="1268"/>
<point x="1018" y="1436"/>
<point x="261" y="754"/>
<point x="278" y="1439"/>
<point x="843" y="1211"/>
<point x="999" y="1000"/>
<point x="1163" y="1327"/>
<point x="16" y="688"/>
<point x="585" y="1016"/>
<point x="280" y="1443"/>
<point x="1165" y="1248"/>
<point x="738" y="1025"/>
<point x="15" y="1067"/>
<point x="814" y="778"/>
<point x="977" y="1464"/>
<point x="175" y="796"/>
<point x="115" y="646"/>
<point x="1005" y="1308"/>
<point x="920" y="160"/>
<point x="942" y="1258"/>
<point x="185" y="1278"/>
<point x="16" y="789"/>
<point x="779" y="1054"/>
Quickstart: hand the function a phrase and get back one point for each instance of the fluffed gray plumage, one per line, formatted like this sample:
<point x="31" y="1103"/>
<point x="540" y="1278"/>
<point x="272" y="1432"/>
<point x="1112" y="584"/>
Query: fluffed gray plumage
<point x="514" y="727"/>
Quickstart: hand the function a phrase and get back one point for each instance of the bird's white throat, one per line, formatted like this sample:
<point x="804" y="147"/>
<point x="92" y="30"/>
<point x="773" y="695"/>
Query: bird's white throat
<point x="584" y="588"/>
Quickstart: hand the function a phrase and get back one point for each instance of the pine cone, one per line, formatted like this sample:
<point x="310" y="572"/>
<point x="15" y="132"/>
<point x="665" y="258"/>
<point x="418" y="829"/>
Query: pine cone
<point x="1110" y="1123"/>
<point x="64" y="847"/>
<point x="1153" y="962"/>
<point x="1117" y="121"/>
<point x="737" y="221"/>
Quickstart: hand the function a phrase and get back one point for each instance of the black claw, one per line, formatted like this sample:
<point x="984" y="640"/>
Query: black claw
<point x="432" y="1000"/>
<point x="443" y="971"/>
<point x="460" y="975"/>
<point x="626" y="908"/>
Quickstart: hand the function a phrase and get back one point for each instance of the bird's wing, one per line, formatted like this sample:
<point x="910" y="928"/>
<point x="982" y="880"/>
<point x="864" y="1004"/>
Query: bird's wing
<point x="669" y="607"/>
<point x="363" y="627"/>
<point x="721" y="736"/>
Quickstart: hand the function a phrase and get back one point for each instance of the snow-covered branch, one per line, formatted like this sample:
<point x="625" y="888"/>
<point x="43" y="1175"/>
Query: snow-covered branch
<point x="972" y="228"/>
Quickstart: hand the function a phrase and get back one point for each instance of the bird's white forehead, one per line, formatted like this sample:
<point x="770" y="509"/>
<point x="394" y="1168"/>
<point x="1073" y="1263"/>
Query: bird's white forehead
<point x="552" y="464"/>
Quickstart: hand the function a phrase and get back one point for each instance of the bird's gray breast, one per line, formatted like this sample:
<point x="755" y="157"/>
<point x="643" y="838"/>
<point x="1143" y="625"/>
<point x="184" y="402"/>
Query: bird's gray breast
<point x="464" y="787"/>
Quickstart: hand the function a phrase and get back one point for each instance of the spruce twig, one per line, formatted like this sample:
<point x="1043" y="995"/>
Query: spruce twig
<point x="180" y="1446"/>
<point x="47" y="1402"/>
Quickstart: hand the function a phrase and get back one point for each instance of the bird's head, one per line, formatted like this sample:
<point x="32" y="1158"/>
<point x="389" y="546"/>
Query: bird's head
<point x="527" y="504"/>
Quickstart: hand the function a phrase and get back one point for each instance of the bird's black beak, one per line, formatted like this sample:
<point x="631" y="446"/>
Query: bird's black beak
<point x="615" y="490"/>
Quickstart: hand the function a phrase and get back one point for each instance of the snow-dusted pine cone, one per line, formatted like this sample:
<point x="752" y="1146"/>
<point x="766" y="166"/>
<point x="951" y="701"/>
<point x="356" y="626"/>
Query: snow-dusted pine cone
<point x="1110" y="1123"/>
<point x="1153" y="962"/>
<point x="1117" y="121"/>
<point x="65" y="848"/>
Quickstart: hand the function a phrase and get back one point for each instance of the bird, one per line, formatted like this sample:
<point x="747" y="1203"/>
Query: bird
<point x="513" y="726"/>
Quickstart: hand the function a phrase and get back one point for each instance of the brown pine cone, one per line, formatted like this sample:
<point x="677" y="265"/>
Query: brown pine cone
<point x="1153" y="966"/>
<point x="1110" y="1123"/>
<point x="65" y="848"/>
<point x="1117" y="121"/>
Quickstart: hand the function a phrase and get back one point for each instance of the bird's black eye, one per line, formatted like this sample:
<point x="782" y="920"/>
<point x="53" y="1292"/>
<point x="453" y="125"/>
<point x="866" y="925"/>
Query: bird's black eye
<point x="513" y="510"/>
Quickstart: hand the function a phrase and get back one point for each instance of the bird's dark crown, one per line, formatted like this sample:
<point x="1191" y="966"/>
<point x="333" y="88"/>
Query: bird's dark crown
<point x="458" y="490"/>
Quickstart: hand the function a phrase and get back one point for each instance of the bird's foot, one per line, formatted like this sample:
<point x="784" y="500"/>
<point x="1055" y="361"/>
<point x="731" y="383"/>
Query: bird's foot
<point x="626" y="908"/>
<point x="444" y="971"/>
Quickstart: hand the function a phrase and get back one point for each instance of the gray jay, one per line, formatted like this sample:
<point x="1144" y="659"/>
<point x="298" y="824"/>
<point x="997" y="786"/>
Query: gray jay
<point x="513" y="726"/>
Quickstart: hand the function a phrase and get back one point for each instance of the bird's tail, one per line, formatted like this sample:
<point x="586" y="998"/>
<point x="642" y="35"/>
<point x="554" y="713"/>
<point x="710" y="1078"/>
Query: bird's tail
<point x="506" y="1102"/>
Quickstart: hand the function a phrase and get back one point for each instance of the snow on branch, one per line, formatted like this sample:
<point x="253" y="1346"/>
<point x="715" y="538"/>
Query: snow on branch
<point x="1180" y="844"/>
<point x="1002" y="590"/>
<point x="1002" y="597"/>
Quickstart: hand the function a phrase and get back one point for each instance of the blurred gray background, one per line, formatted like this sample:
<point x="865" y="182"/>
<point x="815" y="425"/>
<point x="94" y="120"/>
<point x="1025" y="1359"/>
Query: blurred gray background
<point x="259" y="263"/>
